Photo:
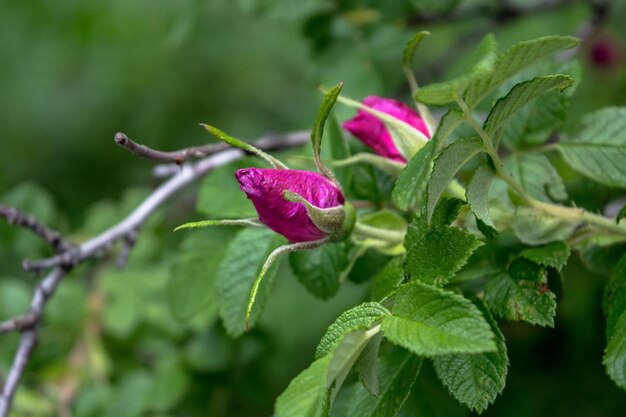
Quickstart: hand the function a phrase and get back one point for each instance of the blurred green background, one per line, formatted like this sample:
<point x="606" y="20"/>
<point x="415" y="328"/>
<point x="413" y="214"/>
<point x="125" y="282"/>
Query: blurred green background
<point x="73" y="73"/>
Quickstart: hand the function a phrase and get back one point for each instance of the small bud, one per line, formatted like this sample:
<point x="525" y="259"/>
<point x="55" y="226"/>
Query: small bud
<point x="373" y="133"/>
<point x="303" y="206"/>
<point x="605" y="52"/>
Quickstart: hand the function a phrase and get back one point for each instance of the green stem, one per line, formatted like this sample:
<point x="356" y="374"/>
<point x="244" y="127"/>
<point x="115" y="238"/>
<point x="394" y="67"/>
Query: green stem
<point x="390" y="236"/>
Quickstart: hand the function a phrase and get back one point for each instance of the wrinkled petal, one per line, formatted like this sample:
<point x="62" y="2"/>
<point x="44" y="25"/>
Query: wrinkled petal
<point x="373" y="133"/>
<point x="264" y="187"/>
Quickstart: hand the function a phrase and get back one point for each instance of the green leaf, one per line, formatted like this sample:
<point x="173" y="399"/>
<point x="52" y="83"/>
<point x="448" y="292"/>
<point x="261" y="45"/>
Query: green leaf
<point x="535" y="228"/>
<point x="411" y="47"/>
<point x="439" y="254"/>
<point x="398" y="370"/>
<point x="553" y="254"/>
<point x="312" y="392"/>
<point x="212" y="223"/>
<point x="535" y="174"/>
<point x="446" y="92"/>
<point x="429" y="321"/>
<point x="337" y="149"/>
<point x="615" y="308"/>
<point x="478" y="195"/>
<point x="447" y="164"/>
<point x="447" y="210"/>
<point x="238" y="271"/>
<point x="367" y="365"/>
<point x="318" y="127"/>
<point x="520" y="95"/>
<point x="306" y="395"/>
<point x="362" y="316"/>
<point x="388" y="279"/>
<point x="516" y="299"/>
<point x="224" y="137"/>
<point x="514" y="60"/>
<point x="319" y="269"/>
<point x="598" y="150"/>
<point x="534" y="124"/>
<point x="191" y="283"/>
<point x="475" y="380"/>
<point x="411" y="183"/>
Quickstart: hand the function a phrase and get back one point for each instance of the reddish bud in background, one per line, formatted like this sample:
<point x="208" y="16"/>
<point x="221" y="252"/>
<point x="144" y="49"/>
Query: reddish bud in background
<point x="373" y="133"/>
<point x="605" y="52"/>
<point x="265" y="188"/>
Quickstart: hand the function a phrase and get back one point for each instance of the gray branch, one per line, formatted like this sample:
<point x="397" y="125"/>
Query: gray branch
<point x="126" y="230"/>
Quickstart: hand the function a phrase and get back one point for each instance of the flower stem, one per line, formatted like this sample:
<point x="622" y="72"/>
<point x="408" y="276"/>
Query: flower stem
<point x="391" y="236"/>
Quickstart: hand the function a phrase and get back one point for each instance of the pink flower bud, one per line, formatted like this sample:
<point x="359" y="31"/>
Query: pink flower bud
<point x="373" y="133"/>
<point x="265" y="188"/>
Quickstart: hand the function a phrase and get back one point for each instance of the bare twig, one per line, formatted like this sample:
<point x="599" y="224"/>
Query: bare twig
<point x="178" y="157"/>
<point x="126" y="230"/>
<point x="15" y="217"/>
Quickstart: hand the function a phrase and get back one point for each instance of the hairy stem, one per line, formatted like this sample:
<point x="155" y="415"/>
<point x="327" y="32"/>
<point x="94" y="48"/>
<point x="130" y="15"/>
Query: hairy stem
<point x="390" y="236"/>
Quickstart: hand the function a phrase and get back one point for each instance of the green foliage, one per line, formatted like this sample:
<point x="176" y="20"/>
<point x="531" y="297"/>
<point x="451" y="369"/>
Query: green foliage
<point x="238" y="270"/>
<point x="447" y="164"/>
<point x="598" y="148"/>
<point x="514" y="60"/>
<point x="360" y="317"/>
<point x="554" y="254"/>
<point x="537" y="176"/>
<point x="388" y="279"/>
<point x="411" y="47"/>
<point x="535" y="229"/>
<point x="615" y="309"/>
<point x="319" y="269"/>
<point x="475" y="379"/>
<point x="192" y="276"/>
<point x="439" y="254"/>
<point x="513" y="298"/>
<point x="398" y="371"/>
<point x="318" y="127"/>
<point x="429" y="321"/>
<point x="520" y="95"/>
<point x="477" y="195"/>
<point x="411" y="184"/>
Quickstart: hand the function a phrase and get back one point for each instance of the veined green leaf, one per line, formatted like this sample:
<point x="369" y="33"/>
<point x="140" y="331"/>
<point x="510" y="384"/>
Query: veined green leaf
<point x="429" y="321"/>
<point x="535" y="174"/>
<point x="306" y="395"/>
<point x="388" y="279"/>
<point x="534" y="228"/>
<point x="318" y="127"/>
<point x="446" y="92"/>
<point x="520" y="95"/>
<point x="478" y="194"/>
<point x="244" y="258"/>
<point x="620" y="215"/>
<point x="615" y="308"/>
<point x="191" y="283"/>
<point x="513" y="60"/>
<point x="447" y="164"/>
<point x="527" y="300"/>
<point x="598" y="150"/>
<point x="398" y="372"/>
<point x="439" y="254"/>
<point x="312" y="392"/>
<point x="362" y="316"/>
<point x="319" y="269"/>
<point x="475" y="379"/>
<point x="367" y="365"/>
<point x="411" y="183"/>
<point x="554" y="254"/>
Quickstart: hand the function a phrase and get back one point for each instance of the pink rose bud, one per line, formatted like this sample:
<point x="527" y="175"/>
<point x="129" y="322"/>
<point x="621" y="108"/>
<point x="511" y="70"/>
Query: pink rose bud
<point x="373" y="133"/>
<point x="266" y="189"/>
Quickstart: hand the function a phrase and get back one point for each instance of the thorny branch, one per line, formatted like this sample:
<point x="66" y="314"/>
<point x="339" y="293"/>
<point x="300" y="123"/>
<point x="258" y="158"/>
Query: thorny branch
<point x="126" y="230"/>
